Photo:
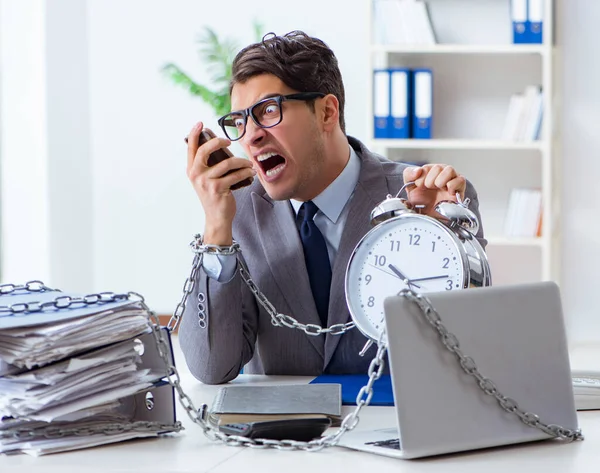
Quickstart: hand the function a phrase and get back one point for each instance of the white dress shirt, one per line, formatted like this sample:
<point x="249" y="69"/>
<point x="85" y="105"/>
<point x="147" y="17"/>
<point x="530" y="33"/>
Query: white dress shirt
<point x="330" y="219"/>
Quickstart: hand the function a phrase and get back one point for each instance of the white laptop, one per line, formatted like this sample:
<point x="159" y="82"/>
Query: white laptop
<point x="515" y="335"/>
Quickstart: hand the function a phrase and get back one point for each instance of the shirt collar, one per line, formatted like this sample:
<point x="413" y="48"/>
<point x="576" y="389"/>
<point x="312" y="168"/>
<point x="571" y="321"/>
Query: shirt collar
<point x="334" y="198"/>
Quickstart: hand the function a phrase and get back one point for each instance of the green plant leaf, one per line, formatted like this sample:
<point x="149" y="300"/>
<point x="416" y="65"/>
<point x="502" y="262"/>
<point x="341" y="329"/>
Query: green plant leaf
<point x="217" y="57"/>
<point x="213" y="98"/>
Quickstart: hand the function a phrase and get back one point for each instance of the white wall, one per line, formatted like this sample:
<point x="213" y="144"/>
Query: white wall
<point x="126" y="190"/>
<point x="577" y="36"/>
<point x="23" y="144"/>
<point x="143" y="210"/>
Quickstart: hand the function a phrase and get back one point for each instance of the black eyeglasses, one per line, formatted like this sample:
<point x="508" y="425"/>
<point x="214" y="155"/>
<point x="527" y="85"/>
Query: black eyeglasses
<point x="266" y="114"/>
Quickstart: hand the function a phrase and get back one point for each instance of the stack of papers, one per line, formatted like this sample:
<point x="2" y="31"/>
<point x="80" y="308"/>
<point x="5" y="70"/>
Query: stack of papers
<point x="72" y="377"/>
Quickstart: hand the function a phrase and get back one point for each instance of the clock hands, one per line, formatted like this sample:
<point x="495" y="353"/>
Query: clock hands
<point x="410" y="282"/>
<point x="395" y="275"/>
<point x="382" y="270"/>
<point x="443" y="276"/>
<point x="397" y="272"/>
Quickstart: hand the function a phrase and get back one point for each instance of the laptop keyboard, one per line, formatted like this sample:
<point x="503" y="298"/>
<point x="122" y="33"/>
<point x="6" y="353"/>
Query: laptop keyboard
<point x="390" y="443"/>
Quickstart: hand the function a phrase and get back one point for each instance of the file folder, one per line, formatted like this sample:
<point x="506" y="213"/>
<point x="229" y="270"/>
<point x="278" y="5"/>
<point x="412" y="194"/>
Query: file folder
<point x="400" y="86"/>
<point x="381" y="103"/>
<point x="155" y="404"/>
<point x="535" y="20"/>
<point x="518" y="10"/>
<point x="383" y="394"/>
<point x="422" y="103"/>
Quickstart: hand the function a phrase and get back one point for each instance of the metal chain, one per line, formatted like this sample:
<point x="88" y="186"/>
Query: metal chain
<point x="199" y="417"/>
<point x="54" y="431"/>
<point x="277" y="319"/>
<point x="450" y="341"/>
<point x="61" y="302"/>
<point x="30" y="286"/>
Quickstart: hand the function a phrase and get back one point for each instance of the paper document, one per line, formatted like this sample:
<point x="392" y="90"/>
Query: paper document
<point x="86" y="371"/>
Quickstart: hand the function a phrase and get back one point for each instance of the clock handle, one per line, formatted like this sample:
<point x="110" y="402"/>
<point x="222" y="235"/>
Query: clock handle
<point x="406" y="184"/>
<point x="366" y="347"/>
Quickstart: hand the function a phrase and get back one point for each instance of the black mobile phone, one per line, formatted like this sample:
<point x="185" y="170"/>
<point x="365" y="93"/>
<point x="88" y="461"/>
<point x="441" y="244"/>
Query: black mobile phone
<point x="301" y="429"/>
<point x="220" y="155"/>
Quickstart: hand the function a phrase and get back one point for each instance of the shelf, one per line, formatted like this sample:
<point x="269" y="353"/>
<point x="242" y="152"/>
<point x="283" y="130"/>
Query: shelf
<point x="500" y="240"/>
<point x="461" y="49"/>
<point x="457" y="144"/>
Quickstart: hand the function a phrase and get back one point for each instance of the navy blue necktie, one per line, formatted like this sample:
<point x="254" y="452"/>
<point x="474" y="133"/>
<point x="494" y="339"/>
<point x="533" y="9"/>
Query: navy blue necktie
<point x="317" y="259"/>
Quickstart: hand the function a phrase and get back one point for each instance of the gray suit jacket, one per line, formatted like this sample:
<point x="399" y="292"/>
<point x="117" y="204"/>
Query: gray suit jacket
<point x="239" y="332"/>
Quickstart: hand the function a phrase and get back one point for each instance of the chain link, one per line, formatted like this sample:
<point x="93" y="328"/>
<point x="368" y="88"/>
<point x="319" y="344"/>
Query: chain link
<point x="62" y="302"/>
<point x="277" y="319"/>
<point x="451" y="342"/>
<point x="30" y="286"/>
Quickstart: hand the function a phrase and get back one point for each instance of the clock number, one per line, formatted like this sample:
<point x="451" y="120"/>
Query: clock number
<point x="449" y="285"/>
<point x="446" y="263"/>
<point x="371" y="301"/>
<point x="432" y="246"/>
<point x="395" y="245"/>
<point x="368" y="278"/>
<point x="379" y="260"/>
<point x="414" y="240"/>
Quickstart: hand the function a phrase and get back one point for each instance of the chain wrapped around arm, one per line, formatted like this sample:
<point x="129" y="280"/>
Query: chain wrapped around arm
<point x="277" y="319"/>
<point x="451" y="343"/>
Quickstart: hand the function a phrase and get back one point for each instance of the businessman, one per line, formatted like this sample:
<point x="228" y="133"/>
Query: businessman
<point x="313" y="187"/>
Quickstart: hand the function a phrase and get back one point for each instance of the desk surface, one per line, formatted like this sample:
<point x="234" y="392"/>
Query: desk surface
<point x="191" y="451"/>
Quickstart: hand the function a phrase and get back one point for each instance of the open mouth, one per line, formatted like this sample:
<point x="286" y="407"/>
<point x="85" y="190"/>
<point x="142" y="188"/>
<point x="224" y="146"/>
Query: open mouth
<point x="271" y="163"/>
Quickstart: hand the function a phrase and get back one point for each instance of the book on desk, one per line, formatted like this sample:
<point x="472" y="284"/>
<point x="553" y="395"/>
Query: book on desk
<point x="241" y="404"/>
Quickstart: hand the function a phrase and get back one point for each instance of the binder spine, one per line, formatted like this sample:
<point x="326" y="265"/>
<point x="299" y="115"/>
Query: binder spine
<point x="520" y="23"/>
<point x="381" y="103"/>
<point x="422" y="103"/>
<point x="535" y="19"/>
<point x="400" y="93"/>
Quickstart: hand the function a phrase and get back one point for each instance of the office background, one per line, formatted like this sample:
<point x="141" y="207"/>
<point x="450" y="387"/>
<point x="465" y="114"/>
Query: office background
<point x="94" y="193"/>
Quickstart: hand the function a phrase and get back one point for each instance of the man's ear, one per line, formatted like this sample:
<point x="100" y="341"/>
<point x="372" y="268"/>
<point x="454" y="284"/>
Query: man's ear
<point x="329" y="112"/>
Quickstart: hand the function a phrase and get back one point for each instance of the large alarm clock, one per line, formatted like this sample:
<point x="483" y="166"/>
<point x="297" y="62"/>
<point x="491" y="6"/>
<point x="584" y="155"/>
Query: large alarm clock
<point x="406" y="249"/>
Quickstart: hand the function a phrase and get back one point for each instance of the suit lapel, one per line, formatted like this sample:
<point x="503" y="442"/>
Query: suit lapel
<point x="371" y="189"/>
<point x="283" y="251"/>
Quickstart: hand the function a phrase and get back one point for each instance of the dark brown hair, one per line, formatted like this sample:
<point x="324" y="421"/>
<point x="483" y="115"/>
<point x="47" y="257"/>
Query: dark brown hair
<point x="301" y="62"/>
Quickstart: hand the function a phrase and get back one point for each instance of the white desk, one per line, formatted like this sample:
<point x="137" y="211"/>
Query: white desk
<point x="191" y="451"/>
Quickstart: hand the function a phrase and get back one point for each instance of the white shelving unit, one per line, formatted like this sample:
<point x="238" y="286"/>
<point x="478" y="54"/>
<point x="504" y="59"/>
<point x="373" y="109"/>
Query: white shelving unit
<point x="476" y="69"/>
<point x="460" y="49"/>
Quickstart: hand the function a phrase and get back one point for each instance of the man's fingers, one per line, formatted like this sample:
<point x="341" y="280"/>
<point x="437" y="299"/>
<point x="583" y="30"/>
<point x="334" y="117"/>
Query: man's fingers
<point x="200" y="160"/>
<point x="219" y="179"/>
<point x="192" y="143"/>
<point x="412" y="173"/>
<point x="458" y="184"/>
<point x="231" y="164"/>
<point x="432" y="173"/>
<point x="237" y="176"/>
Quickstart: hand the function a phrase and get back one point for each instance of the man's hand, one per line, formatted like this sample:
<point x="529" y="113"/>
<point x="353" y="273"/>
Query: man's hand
<point x="212" y="185"/>
<point x="433" y="183"/>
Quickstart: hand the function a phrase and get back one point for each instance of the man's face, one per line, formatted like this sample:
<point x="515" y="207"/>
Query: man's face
<point x="289" y="158"/>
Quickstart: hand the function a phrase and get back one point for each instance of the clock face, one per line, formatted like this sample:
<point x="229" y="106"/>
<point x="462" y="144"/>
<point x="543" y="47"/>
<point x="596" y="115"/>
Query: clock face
<point x="408" y="251"/>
